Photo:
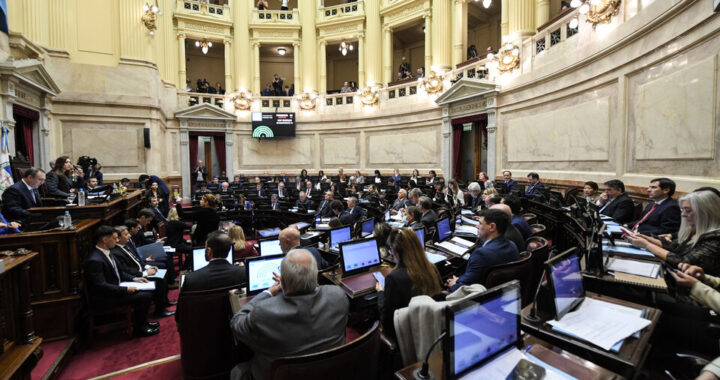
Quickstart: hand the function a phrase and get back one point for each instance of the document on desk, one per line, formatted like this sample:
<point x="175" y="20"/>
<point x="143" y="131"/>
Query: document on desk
<point x="159" y="274"/>
<point x="150" y="285"/>
<point x="470" y="230"/>
<point x="600" y="323"/>
<point x="640" y="268"/>
<point x="467" y="212"/>
<point x="454" y="248"/>
<point x="627" y="250"/>
<point x="434" y="257"/>
<point x="168" y="248"/>
<point x="397" y="217"/>
<point x="469" y="221"/>
<point x="613" y="229"/>
<point x="502" y="366"/>
<point x="462" y="242"/>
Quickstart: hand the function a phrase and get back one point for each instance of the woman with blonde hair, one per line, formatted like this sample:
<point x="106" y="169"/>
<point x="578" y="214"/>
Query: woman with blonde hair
<point x="698" y="241"/>
<point x="242" y="248"/>
<point x="205" y="217"/>
<point x="413" y="276"/>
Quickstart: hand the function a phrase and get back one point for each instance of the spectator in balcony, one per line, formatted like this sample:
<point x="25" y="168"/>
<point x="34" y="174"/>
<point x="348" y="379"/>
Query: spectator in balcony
<point x="420" y="72"/>
<point x="404" y="69"/>
<point x="267" y="91"/>
<point x="188" y="86"/>
<point x="284" y="5"/>
<point x="292" y="89"/>
<point x="277" y="85"/>
<point x="219" y="89"/>
<point x="472" y="52"/>
<point x="286" y="91"/>
<point x="262" y="5"/>
<point x="345" y="88"/>
<point x="353" y="86"/>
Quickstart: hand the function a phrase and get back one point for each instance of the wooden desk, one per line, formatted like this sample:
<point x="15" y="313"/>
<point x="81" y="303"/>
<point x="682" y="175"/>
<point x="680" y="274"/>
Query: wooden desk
<point x="113" y="212"/>
<point x="336" y="278"/>
<point x="55" y="280"/>
<point x="542" y="350"/>
<point x="627" y="362"/>
<point x="19" y="346"/>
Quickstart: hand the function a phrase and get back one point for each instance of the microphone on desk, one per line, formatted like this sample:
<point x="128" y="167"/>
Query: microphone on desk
<point x="532" y="315"/>
<point x="424" y="373"/>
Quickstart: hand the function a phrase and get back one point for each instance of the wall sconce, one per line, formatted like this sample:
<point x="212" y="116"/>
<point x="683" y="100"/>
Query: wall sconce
<point x="307" y="100"/>
<point x="369" y="94"/>
<point x="597" y="11"/>
<point x="508" y="58"/>
<point x="242" y="100"/>
<point x="149" y="17"/>
<point x="281" y="51"/>
<point x="432" y="83"/>
<point x="204" y="45"/>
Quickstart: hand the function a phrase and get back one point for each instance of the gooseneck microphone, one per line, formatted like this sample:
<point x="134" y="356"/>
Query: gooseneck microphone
<point x="532" y="315"/>
<point x="424" y="373"/>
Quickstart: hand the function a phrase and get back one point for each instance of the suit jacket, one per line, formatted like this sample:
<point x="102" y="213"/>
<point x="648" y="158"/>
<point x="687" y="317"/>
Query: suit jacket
<point x="283" y="194"/>
<point x="532" y="190"/>
<point x="665" y="219"/>
<point x="275" y="206"/>
<point x="58" y="187"/>
<point x="128" y="260"/>
<point x="297" y="324"/>
<point x="495" y="252"/>
<point x="353" y="215"/>
<point x="399" y="204"/>
<point x="102" y="281"/>
<point x="17" y="199"/>
<point x="396" y="295"/>
<point x="196" y="169"/>
<point x="260" y="193"/>
<point x="510" y="183"/>
<point x="217" y="274"/>
<point x="324" y="209"/>
<point x="522" y="225"/>
<point x="305" y="204"/>
<point x="207" y="221"/>
<point x="514" y="235"/>
<point x="429" y="218"/>
<point x="621" y="209"/>
<point x="476" y="202"/>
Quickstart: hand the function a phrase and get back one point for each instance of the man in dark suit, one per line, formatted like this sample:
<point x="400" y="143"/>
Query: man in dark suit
<point x="274" y="203"/>
<point x="662" y="215"/>
<point x="495" y="251"/>
<point x="259" y="191"/>
<point x="511" y="233"/>
<point x="324" y="210"/>
<point x="218" y="273"/>
<point x="508" y="181"/>
<point x="518" y="220"/>
<point x="533" y="184"/>
<point x="615" y="203"/>
<point x="103" y="277"/>
<point x="282" y="192"/>
<point x="290" y="239"/>
<point x="225" y="189"/>
<point x="429" y="216"/>
<point x="400" y="201"/>
<point x="354" y="212"/>
<point x="413" y="217"/>
<point x="476" y="195"/>
<point x="199" y="173"/>
<point x="339" y="212"/>
<point x="130" y="262"/>
<point x="23" y="195"/>
<point x="296" y="316"/>
<point x="303" y="203"/>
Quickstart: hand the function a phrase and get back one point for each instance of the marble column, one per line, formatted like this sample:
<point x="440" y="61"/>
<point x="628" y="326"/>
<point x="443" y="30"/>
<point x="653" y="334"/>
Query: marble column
<point x="185" y="161"/>
<point x="361" y="60"/>
<point x="256" y="68"/>
<point x="387" y="56"/>
<point x="504" y="20"/>
<point x="57" y="14"/>
<point x="35" y="17"/>
<point x="228" y="67"/>
<point x="297" y="57"/>
<point x="182" y="72"/>
<point x="447" y="138"/>
<point x="131" y="29"/>
<point x="229" y="153"/>
<point x="428" y="41"/>
<point x="542" y="12"/>
<point x="8" y="119"/>
<point x="492" y="137"/>
<point x="42" y="157"/>
<point x="322" y="56"/>
<point x="442" y="19"/>
<point x="310" y="55"/>
<point x="459" y="32"/>
<point x="373" y="31"/>
<point x="241" y="39"/>
<point x="521" y="20"/>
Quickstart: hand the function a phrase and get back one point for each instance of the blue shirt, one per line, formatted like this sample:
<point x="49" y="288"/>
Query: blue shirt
<point x="494" y="252"/>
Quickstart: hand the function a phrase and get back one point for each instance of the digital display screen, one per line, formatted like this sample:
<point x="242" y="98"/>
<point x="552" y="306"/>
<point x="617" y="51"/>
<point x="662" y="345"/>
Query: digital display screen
<point x="367" y="227"/>
<point x="199" y="261"/>
<point x="260" y="273"/>
<point x="420" y="232"/>
<point x="443" y="229"/>
<point x="360" y="254"/>
<point x="567" y="282"/>
<point x="272" y="125"/>
<point x="270" y="247"/>
<point x="338" y="236"/>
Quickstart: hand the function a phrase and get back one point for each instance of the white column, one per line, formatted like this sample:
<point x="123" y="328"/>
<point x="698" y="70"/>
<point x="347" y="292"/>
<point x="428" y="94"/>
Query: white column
<point x="492" y="138"/>
<point x="322" y="56"/>
<point x="428" y="42"/>
<point x="447" y="143"/>
<point x="182" y="73"/>
<point x="256" y="68"/>
<point x="361" y="60"/>
<point x="228" y="67"/>
<point x="296" y="65"/>
<point x="43" y="156"/>
<point x="185" y="161"/>
<point x="387" y="53"/>
<point x="229" y="154"/>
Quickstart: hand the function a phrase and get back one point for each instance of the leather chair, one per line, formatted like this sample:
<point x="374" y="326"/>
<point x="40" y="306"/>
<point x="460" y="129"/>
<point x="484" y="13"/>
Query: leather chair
<point x="637" y="210"/>
<point x="521" y="270"/>
<point x="530" y="217"/>
<point x="540" y="251"/>
<point x="571" y="192"/>
<point x="207" y="348"/>
<point x="537" y="229"/>
<point x="117" y="318"/>
<point x="355" y="360"/>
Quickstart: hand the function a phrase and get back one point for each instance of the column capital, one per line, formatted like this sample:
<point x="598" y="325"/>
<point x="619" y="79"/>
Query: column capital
<point x="387" y="29"/>
<point x="427" y="15"/>
<point x="227" y="42"/>
<point x="181" y="36"/>
<point x="323" y="43"/>
<point x="360" y="35"/>
<point x="296" y="44"/>
<point x="256" y="44"/>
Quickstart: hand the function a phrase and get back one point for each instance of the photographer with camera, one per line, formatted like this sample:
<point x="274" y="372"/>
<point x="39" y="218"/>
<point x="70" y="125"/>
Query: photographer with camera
<point x="277" y="85"/>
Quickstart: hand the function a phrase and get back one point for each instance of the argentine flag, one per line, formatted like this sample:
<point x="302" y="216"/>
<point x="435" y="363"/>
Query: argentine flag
<point x="6" y="179"/>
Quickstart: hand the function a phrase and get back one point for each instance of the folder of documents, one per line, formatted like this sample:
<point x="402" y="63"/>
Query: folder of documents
<point x="150" y="285"/>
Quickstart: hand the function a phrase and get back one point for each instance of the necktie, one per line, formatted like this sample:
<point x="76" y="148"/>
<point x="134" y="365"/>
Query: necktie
<point x="112" y="263"/>
<point x="34" y="199"/>
<point x="635" y="227"/>
<point x="606" y="204"/>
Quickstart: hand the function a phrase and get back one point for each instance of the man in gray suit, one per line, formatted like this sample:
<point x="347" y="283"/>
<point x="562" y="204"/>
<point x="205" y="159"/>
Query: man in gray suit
<point x="293" y="317"/>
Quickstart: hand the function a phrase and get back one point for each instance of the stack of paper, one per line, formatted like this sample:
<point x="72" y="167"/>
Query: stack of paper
<point x="434" y="257"/>
<point x="159" y="274"/>
<point x="466" y="212"/>
<point x="150" y="285"/>
<point x="469" y="221"/>
<point x="462" y="242"/>
<point x="470" y="230"/>
<point x="640" y="268"/>
<point x="456" y="249"/>
<point x="502" y="366"/>
<point x="601" y="323"/>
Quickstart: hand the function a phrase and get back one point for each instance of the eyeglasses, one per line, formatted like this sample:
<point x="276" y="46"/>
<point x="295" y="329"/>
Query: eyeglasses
<point x="686" y="210"/>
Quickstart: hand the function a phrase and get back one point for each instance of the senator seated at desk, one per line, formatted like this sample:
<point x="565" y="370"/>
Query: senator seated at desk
<point x="295" y="316"/>
<point x="218" y="273"/>
<point x="496" y="249"/>
<point x="615" y="203"/>
<point x="662" y="214"/>
<point x="290" y="239"/>
<point x="22" y="195"/>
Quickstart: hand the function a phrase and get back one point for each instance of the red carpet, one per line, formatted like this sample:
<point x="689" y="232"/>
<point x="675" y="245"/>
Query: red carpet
<point x="51" y="351"/>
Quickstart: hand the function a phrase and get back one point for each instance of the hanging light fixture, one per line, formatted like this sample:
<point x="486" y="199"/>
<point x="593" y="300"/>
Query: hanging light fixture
<point x="281" y="51"/>
<point x="487" y="3"/>
<point x="149" y="17"/>
<point x="345" y="47"/>
<point x="204" y="45"/>
<point x="574" y="23"/>
<point x="597" y="11"/>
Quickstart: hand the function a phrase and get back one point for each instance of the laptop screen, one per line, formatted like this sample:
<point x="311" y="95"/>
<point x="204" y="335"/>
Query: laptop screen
<point x="260" y="272"/>
<point x="387" y="215"/>
<point x="367" y="227"/>
<point x="481" y="328"/>
<point x="359" y="254"/>
<point x="420" y="232"/>
<point x="199" y="261"/>
<point x="270" y="247"/>
<point x="566" y="282"/>
<point x="443" y="229"/>
<point x="339" y="235"/>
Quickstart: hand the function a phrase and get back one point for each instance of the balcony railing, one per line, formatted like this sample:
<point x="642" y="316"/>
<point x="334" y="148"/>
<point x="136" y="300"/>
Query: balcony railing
<point x="401" y="89"/>
<point x="339" y="99"/>
<point x="337" y="11"/>
<point x="192" y="98"/>
<point x="276" y="17"/>
<point x="554" y="32"/>
<point x="200" y="8"/>
<point x="475" y="68"/>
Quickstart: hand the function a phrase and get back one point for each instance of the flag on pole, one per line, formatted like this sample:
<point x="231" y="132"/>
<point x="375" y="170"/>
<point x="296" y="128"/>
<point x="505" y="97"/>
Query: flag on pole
<point x="6" y="179"/>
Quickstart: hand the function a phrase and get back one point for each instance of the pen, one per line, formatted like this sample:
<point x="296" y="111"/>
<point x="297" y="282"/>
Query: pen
<point x="527" y="349"/>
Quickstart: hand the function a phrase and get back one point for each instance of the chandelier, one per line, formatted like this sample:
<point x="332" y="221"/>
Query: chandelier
<point x="345" y="47"/>
<point x="204" y="45"/>
<point x="149" y="17"/>
<point x="597" y="11"/>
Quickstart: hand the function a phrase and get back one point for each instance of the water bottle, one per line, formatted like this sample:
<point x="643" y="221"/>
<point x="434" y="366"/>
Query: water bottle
<point x="67" y="220"/>
<point x="81" y="197"/>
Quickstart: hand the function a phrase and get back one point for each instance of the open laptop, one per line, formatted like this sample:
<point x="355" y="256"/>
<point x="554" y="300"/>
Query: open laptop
<point x="358" y="256"/>
<point x="259" y="270"/>
<point x="443" y="229"/>
<point x="565" y="282"/>
<point x="447" y="243"/>
<point x="339" y="235"/>
<point x="433" y="257"/>
<point x="154" y="250"/>
<point x="480" y="330"/>
<point x="270" y="247"/>
<point x="199" y="261"/>
<point x="368" y="226"/>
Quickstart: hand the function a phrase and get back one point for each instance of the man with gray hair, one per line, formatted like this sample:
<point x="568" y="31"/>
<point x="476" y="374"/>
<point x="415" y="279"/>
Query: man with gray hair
<point x="290" y="239"/>
<point x="353" y="214"/>
<point x="414" y="196"/>
<point x="429" y="216"/>
<point x="274" y="204"/>
<point x="400" y="202"/>
<point x="293" y="317"/>
<point x="475" y="192"/>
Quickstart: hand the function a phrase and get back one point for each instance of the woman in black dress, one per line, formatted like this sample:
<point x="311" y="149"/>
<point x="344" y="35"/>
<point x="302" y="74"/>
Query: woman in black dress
<point x="205" y="217"/>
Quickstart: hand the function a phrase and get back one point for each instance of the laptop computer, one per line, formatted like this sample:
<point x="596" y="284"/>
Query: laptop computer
<point x="447" y="243"/>
<point x="358" y="256"/>
<point x="259" y="270"/>
<point x="420" y="232"/>
<point x="269" y="247"/>
<point x="565" y="282"/>
<point x="433" y="257"/>
<point x="480" y="330"/>
<point x="443" y="229"/>
<point x="199" y="261"/>
<point x="368" y="227"/>
<point x="339" y="235"/>
<point x="154" y="250"/>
